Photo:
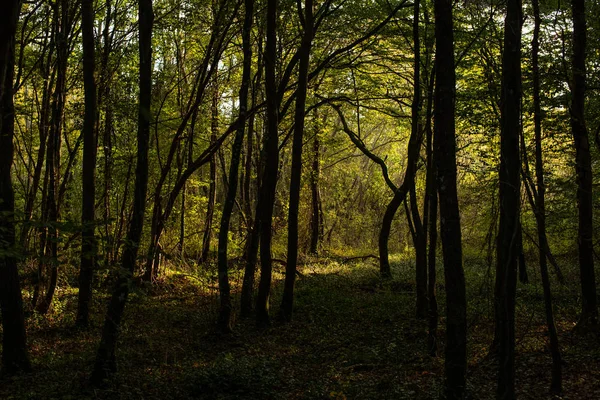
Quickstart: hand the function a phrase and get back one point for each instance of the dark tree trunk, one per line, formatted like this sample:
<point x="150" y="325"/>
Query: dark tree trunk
<point x="105" y="358"/>
<point x="43" y="125"/>
<point x="445" y="157"/>
<point x="432" y="205"/>
<point x="540" y="209"/>
<point x="269" y="180"/>
<point x="251" y="251"/>
<point x="250" y="268"/>
<point x="88" y="242"/>
<point x="523" y="276"/>
<point x="62" y="31"/>
<point x="212" y="187"/>
<point x="224" y="319"/>
<point x="420" y="237"/>
<point x="287" y="301"/>
<point x="510" y="201"/>
<point x="432" y="273"/>
<point x="14" y="344"/>
<point x="420" y="243"/>
<point x="316" y="229"/>
<point x="589" y="310"/>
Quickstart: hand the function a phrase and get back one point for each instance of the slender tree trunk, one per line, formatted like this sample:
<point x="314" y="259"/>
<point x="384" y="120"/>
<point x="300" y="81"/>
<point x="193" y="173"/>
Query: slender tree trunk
<point x="269" y="180"/>
<point x="287" y="302"/>
<point x="431" y="225"/>
<point x="43" y="127"/>
<point x="445" y="157"/>
<point x="315" y="215"/>
<point x="420" y="243"/>
<point x="61" y="12"/>
<point x="589" y="309"/>
<point x="251" y="251"/>
<point x="105" y="358"/>
<point x="540" y="211"/>
<point x="14" y="344"/>
<point x="510" y="201"/>
<point x="212" y="188"/>
<point x="420" y="238"/>
<point x="432" y="273"/>
<point x="523" y="276"/>
<point x="250" y="269"/>
<point x="224" y="319"/>
<point x="88" y="242"/>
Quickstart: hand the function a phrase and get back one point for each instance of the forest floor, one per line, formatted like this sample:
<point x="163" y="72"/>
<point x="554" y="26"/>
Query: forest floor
<point x="353" y="337"/>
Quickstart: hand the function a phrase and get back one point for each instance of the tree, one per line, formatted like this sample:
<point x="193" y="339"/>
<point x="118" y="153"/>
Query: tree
<point x="88" y="245"/>
<point x="295" y="184"/>
<point x="583" y="167"/>
<point x="510" y="200"/>
<point x="15" y="357"/>
<point x="106" y="362"/>
<point x="224" y="290"/>
<point x="450" y="232"/>
<point x="540" y="209"/>
<point x="271" y="165"/>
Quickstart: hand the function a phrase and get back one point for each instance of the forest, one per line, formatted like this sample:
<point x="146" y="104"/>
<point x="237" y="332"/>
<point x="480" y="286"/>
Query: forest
<point x="299" y="199"/>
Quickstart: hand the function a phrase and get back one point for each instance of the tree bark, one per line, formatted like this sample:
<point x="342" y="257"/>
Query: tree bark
<point x="224" y="319"/>
<point x="15" y="357"/>
<point x="62" y="32"/>
<point x="287" y="301"/>
<point x="316" y="229"/>
<point x="510" y="201"/>
<point x="88" y="241"/>
<point x="212" y="175"/>
<point x="269" y="180"/>
<point x="583" y="167"/>
<point x="540" y="209"/>
<point x="445" y="157"/>
<point x="105" y="359"/>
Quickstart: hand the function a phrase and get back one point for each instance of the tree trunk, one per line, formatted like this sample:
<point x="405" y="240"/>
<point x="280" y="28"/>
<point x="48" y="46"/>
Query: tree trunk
<point x="510" y="201"/>
<point x="445" y="157"/>
<point x="105" y="359"/>
<point x="523" y="276"/>
<point x="14" y="344"/>
<point x="252" y="241"/>
<point x="315" y="215"/>
<point x="212" y="188"/>
<point x="269" y="180"/>
<point x="420" y="238"/>
<point x="431" y="225"/>
<point x="287" y="302"/>
<point x="224" y="319"/>
<point x="540" y="209"/>
<point x="62" y="18"/>
<point x="420" y="243"/>
<point x="589" y="309"/>
<point x="88" y="242"/>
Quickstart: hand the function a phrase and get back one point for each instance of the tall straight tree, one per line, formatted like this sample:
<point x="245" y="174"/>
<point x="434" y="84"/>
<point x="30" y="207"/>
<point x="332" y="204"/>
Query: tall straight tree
<point x="88" y="245"/>
<point x="212" y="173"/>
<point x="445" y="157"/>
<point x="224" y="289"/>
<point x="420" y="235"/>
<point x="510" y="200"/>
<point x="14" y="344"/>
<point x="63" y="25"/>
<point x="583" y="166"/>
<point x="105" y="358"/>
<point x="540" y="209"/>
<point x="287" y="301"/>
<point x="271" y="164"/>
